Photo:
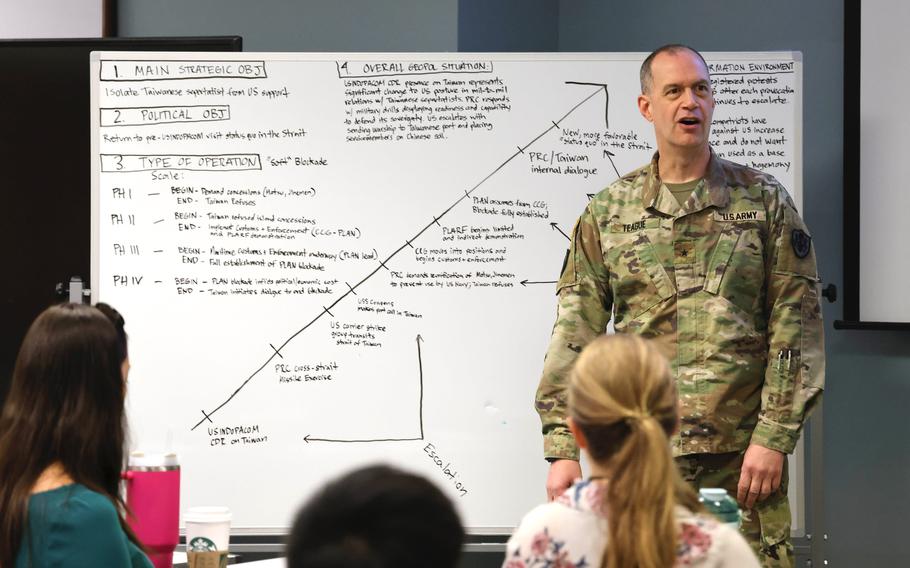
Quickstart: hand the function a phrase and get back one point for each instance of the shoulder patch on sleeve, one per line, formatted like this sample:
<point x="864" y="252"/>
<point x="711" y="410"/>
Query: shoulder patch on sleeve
<point x="795" y="253"/>
<point x="802" y="243"/>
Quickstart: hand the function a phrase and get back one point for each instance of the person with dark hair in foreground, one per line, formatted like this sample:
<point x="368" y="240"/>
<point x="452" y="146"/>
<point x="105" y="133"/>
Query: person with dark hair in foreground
<point x="377" y="517"/>
<point x="635" y="511"/>
<point x="62" y="438"/>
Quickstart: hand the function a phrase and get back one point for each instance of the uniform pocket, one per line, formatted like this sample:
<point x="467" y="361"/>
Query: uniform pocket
<point x="736" y="270"/>
<point x="720" y="260"/>
<point x="638" y="279"/>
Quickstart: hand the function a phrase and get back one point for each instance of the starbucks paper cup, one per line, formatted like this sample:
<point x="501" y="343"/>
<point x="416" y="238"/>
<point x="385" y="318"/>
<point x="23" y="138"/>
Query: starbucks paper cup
<point x="207" y="529"/>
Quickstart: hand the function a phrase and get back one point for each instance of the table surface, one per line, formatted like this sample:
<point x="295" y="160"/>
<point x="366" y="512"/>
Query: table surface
<point x="180" y="562"/>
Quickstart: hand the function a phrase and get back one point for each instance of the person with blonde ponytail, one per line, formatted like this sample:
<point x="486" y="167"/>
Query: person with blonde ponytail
<point x="635" y="510"/>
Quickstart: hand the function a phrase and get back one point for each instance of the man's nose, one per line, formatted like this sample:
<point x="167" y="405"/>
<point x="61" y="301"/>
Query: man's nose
<point x="689" y="99"/>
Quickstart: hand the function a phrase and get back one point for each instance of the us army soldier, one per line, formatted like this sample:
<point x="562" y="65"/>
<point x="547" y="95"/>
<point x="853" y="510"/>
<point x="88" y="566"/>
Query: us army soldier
<point x="713" y="259"/>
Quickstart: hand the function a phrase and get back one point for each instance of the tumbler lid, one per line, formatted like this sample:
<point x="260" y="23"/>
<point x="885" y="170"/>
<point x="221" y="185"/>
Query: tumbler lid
<point x="713" y="493"/>
<point x="141" y="460"/>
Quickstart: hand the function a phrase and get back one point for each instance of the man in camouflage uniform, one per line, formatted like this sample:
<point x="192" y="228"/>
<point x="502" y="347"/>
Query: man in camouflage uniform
<point x="713" y="259"/>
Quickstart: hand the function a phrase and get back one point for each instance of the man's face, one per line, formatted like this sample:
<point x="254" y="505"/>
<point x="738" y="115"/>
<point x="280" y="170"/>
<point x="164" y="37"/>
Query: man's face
<point x="680" y="102"/>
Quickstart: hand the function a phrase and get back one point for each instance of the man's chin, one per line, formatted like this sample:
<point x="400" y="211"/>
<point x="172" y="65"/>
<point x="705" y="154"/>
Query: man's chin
<point x="689" y="143"/>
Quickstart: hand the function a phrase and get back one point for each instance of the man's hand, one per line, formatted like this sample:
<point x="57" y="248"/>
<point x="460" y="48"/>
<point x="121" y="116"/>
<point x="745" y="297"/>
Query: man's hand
<point x="760" y="475"/>
<point x="562" y="474"/>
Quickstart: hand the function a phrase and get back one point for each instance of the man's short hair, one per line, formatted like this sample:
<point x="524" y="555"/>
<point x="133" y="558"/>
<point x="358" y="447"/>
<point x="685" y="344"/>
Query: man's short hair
<point x="376" y="517"/>
<point x="644" y="74"/>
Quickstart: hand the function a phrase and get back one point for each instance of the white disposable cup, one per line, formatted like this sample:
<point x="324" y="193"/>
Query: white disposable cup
<point x="207" y="528"/>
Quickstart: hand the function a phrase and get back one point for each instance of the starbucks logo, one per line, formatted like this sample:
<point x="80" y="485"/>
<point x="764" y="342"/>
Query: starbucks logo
<point x="200" y="544"/>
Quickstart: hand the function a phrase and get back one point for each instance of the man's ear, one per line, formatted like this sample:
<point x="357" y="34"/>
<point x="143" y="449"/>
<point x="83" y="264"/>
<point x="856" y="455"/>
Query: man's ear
<point x="579" y="436"/>
<point x="644" y="107"/>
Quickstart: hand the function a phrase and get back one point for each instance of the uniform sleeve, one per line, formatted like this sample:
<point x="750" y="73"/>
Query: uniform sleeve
<point x="89" y="535"/>
<point x="582" y="314"/>
<point x="795" y="372"/>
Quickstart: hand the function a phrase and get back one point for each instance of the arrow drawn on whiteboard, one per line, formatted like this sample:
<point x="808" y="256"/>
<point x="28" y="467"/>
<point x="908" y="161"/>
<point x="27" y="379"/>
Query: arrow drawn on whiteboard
<point x="606" y="94"/>
<point x="610" y="155"/>
<point x="274" y="352"/>
<point x="526" y="282"/>
<point x="308" y="438"/>
<point x="556" y="227"/>
<point x="420" y="369"/>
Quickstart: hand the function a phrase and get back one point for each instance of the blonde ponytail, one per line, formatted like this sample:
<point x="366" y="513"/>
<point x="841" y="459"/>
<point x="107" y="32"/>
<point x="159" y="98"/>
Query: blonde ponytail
<point x="622" y="397"/>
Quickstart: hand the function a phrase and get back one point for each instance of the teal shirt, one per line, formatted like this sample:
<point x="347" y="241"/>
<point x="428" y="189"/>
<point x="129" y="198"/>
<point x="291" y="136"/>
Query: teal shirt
<point x="75" y="527"/>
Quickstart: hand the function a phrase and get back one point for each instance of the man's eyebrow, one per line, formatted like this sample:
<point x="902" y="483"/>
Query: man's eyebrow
<point x="678" y="85"/>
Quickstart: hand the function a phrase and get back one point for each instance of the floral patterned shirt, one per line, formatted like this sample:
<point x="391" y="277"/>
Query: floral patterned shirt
<point x="571" y="532"/>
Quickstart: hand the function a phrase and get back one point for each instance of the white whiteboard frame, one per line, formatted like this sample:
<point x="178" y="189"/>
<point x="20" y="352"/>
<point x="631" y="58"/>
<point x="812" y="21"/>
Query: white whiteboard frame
<point x="798" y="494"/>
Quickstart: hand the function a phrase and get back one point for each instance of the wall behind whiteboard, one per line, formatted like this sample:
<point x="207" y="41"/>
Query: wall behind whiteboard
<point x="52" y="18"/>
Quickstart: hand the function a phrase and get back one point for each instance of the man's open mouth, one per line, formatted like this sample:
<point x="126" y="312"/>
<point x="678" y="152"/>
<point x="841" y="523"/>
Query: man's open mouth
<point x="690" y="121"/>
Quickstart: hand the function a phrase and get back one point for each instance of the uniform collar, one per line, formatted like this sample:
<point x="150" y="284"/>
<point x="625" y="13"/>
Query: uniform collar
<point x="713" y="192"/>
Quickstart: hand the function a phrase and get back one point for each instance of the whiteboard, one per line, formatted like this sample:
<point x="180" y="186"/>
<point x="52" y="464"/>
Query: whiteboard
<point x="328" y="260"/>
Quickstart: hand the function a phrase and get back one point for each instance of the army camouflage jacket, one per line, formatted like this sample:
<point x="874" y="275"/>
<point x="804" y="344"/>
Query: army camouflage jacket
<point x="728" y="283"/>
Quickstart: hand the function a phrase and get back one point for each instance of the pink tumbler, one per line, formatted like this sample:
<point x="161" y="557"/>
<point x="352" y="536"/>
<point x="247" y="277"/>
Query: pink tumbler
<point x="153" y="498"/>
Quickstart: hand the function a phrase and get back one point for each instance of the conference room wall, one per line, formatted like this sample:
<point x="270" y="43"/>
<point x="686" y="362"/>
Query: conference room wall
<point x="295" y="25"/>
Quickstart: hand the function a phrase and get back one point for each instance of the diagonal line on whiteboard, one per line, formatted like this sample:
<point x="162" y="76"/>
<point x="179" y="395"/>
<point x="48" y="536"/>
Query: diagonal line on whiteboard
<point x="466" y="195"/>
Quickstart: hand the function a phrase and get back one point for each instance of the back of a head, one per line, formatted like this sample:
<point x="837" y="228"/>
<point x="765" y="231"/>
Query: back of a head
<point x="623" y="398"/>
<point x="376" y="517"/>
<point x="619" y="378"/>
<point x="67" y="390"/>
<point x="117" y="319"/>
<point x="65" y="405"/>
